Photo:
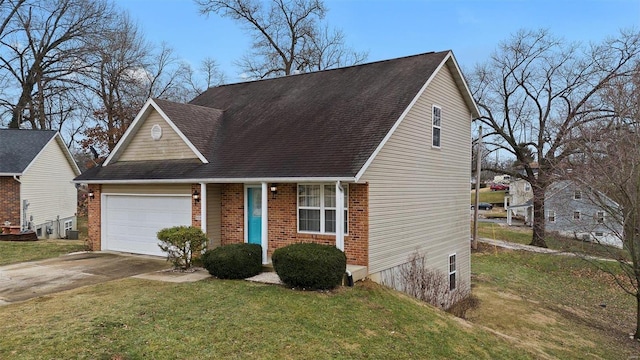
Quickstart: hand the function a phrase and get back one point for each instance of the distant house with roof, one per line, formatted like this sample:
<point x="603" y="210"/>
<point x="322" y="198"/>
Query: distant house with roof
<point x="351" y="157"/>
<point x="36" y="188"/>
<point x="573" y="210"/>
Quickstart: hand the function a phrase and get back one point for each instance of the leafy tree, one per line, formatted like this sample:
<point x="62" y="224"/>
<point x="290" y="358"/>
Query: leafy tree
<point x="538" y="92"/>
<point x="288" y="36"/>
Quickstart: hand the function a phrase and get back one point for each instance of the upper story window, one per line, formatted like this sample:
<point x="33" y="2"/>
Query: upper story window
<point x="527" y="187"/>
<point x="600" y="217"/>
<point x="576" y="215"/>
<point x="577" y="195"/>
<point x="317" y="208"/>
<point x="551" y="216"/>
<point x="436" y="126"/>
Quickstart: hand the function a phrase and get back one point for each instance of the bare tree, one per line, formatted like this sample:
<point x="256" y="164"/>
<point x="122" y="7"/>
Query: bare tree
<point x="288" y="36"/>
<point x="609" y="162"/>
<point x="537" y="92"/>
<point x="43" y="50"/>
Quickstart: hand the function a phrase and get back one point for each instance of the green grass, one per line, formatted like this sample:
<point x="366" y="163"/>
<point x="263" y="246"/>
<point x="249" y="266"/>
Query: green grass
<point x="523" y="236"/>
<point x="216" y="319"/>
<point x="553" y="304"/>
<point x="20" y="251"/>
<point x="486" y="195"/>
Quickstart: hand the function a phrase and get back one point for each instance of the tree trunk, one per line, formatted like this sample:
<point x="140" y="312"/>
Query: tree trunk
<point x="636" y="335"/>
<point x="538" y="215"/>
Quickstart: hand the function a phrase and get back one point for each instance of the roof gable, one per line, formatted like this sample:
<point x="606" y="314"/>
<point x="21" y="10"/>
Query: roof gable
<point x="18" y="148"/>
<point x="179" y="111"/>
<point x="326" y="124"/>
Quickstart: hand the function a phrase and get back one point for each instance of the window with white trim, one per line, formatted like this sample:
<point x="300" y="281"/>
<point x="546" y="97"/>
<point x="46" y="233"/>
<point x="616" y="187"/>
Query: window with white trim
<point x="527" y="187"/>
<point x="600" y="217"/>
<point x="317" y="208"/>
<point x="599" y="234"/>
<point x="576" y="215"/>
<point x="68" y="225"/>
<point x="436" y="126"/>
<point x="551" y="216"/>
<point x="452" y="272"/>
<point x="577" y="195"/>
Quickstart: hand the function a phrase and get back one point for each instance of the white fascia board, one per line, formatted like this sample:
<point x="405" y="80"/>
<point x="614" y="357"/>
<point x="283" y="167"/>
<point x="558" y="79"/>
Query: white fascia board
<point x="33" y="161"/>
<point x="137" y="122"/>
<point x="401" y="118"/>
<point x="131" y="129"/>
<point x="10" y="174"/>
<point x="67" y="154"/>
<point x="466" y="93"/>
<point x="223" y="180"/>
<point x="182" y="136"/>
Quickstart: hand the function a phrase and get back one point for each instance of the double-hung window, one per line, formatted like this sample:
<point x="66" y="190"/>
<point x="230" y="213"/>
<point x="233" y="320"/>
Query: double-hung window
<point x="317" y="208"/>
<point x="452" y="272"/>
<point x="68" y="225"/>
<point x="576" y="215"/>
<point x="577" y="195"/>
<point x="436" y="126"/>
<point x="600" y="217"/>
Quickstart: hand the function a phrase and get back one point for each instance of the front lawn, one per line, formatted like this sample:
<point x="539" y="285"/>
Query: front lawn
<point x="216" y="319"/>
<point x="20" y="251"/>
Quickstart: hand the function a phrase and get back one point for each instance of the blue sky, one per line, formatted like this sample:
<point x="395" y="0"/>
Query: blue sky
<point x="389" y="29"/>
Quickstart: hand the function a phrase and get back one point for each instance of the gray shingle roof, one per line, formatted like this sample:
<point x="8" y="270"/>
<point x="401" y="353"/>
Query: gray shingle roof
<point x="19" y="147"/>
<point x="321" y="124"/>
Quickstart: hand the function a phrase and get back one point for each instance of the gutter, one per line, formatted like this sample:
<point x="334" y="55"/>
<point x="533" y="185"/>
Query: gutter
<point x="221" y="180"/>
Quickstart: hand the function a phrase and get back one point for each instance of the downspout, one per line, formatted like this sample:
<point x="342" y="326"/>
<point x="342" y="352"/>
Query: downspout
<point x="23" y="207"/>
<point x="349" y="278"/>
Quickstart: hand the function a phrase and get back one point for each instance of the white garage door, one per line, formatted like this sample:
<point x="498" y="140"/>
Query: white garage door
<point x="130" y="223"/>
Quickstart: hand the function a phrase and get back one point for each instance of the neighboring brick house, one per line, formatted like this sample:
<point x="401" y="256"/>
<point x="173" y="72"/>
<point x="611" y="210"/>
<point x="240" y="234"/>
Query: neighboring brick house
<point x="352" y="157"/>
<point x="36" y="188"/>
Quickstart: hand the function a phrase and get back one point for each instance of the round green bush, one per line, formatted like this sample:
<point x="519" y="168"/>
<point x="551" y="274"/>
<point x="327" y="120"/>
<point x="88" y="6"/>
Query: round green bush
<point x="310" y="266"/>
<point x="234" y="261"/>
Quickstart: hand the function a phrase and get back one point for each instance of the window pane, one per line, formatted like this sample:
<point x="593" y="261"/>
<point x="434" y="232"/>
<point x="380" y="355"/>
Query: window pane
<point x="330" y="196"/>
<point x="346" y="221"/>
<point x="436" y="137"/>
<point x="452" y="281"/>
<point x="309" y="195"/>
<point x="436" y="116"/>
<point x="330" y="221"/>
<point x="452" y="263"/>
<point x="309" y="220"/>
<point x="346" y="196"/>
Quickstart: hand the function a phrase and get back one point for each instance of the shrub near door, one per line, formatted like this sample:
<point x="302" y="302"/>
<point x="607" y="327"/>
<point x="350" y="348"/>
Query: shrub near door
<point x="310" y="266"/>
<point x="234" y="261"/>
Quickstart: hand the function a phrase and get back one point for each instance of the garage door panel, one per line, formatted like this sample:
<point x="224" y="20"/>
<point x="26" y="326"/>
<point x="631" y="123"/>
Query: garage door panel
<point x="131" y="222"/>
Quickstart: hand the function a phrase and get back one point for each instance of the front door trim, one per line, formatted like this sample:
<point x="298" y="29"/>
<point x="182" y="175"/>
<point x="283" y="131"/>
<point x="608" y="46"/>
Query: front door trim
<point x="264" y="225"/>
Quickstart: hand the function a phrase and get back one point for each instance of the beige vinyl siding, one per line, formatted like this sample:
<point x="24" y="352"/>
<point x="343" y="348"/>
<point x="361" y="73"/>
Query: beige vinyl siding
<point x="419" y="195"/>
<point x="143" y="147"/>
<point x="214" y="215"/>
<point x="47" y="186"/>
<point x="152" y="189"/>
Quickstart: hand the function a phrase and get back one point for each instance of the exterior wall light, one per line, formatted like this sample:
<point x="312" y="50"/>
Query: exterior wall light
<point x="274" y="190"/>
<point x="196" y="196"/>
<point x="91" y="194"/>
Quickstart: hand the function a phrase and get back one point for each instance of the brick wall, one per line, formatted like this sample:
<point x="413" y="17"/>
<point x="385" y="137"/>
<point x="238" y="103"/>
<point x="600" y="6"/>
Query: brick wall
<point x="283" y="220"/>
<point x="196" y="207"/>
<point x="94" y="217"/>
<point x="9" y="200"/>
<point x="232" y="212"/>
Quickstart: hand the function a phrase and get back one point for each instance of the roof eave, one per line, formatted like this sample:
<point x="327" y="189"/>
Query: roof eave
<point x="318" y="179"/>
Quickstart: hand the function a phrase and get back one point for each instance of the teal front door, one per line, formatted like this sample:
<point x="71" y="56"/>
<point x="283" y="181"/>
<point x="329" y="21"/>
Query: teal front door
<point x="254" y="215"/>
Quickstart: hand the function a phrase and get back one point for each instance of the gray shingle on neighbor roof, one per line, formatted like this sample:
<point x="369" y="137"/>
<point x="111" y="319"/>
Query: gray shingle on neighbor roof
<point x="19" y="147"/>
<point x="320" y="124"/>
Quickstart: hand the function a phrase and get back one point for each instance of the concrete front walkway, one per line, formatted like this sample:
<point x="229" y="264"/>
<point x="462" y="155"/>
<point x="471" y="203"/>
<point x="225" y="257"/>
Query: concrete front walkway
<point x="23" y="281"/>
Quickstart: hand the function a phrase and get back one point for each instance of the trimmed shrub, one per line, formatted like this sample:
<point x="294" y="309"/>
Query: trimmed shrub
<point x="310" y="266"/>
<point x="234" y="261"/>
<point x="181" y="243"/>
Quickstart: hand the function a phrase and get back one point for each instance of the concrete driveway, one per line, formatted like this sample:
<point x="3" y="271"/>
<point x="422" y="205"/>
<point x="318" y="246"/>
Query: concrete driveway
<point x="27" y="280"/>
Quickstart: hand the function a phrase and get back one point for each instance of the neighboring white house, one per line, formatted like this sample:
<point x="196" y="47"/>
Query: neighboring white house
<point x="36" y="188"/>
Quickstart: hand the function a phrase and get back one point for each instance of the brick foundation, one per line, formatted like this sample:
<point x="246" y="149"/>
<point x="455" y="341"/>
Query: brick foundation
<point x="283" y="220"/>
<point x="9" y="200"/>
